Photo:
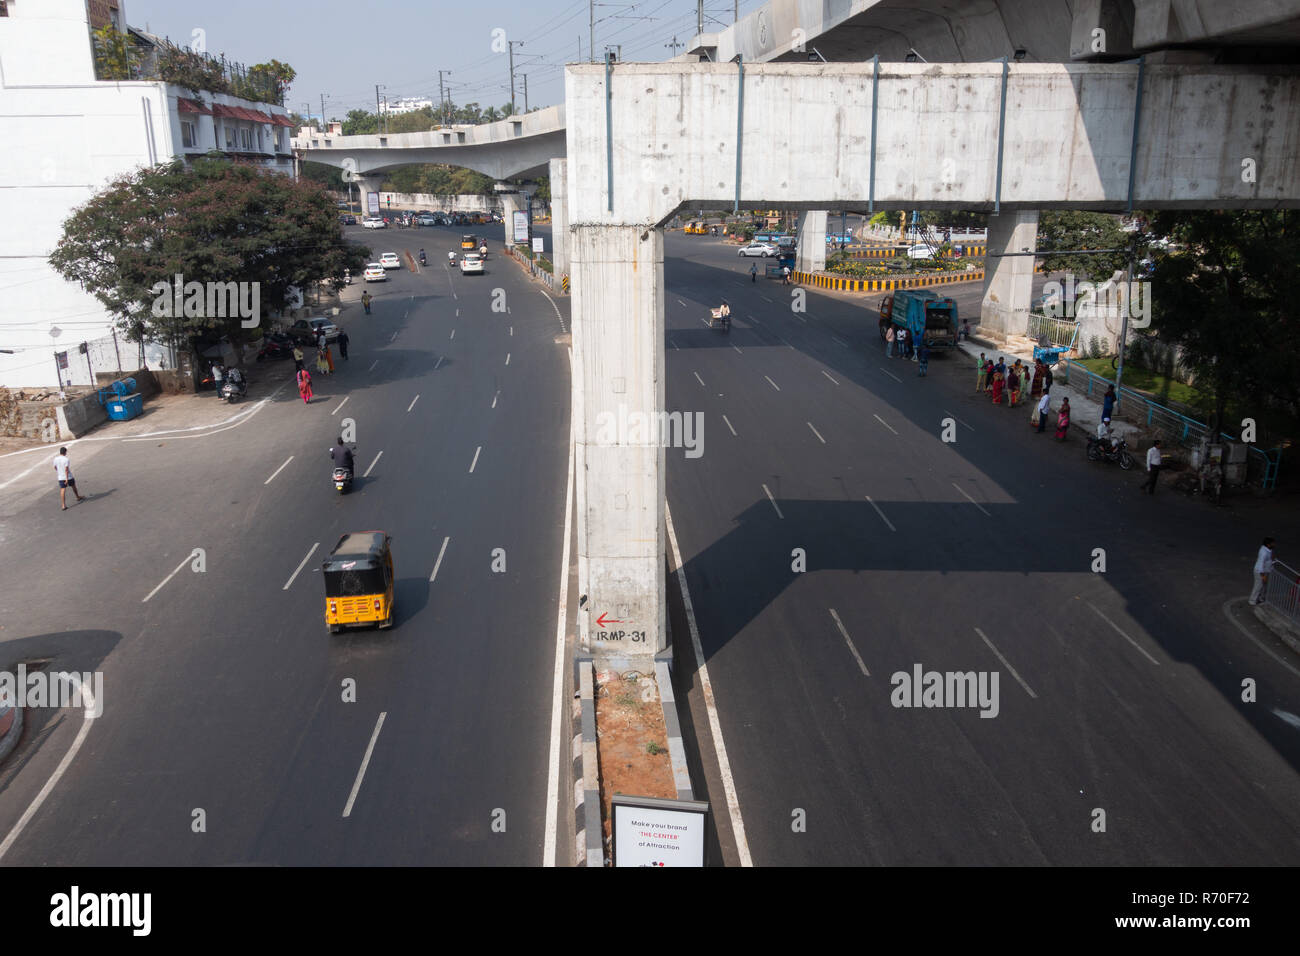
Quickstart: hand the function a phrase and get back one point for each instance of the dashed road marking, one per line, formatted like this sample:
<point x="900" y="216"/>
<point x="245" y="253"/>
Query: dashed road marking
<point x="365" y="762"/>
<point x="733" y="431"/>
<point x="883" y="422"/>
<point x="849" y="641"/>
<point x="1122" y="634"/>
<point x="372" y="465"/>
<point x="881" y="513"/>
<point x="698" y="379"/>
<point x="1006" y="664"/>
<point x="340" y="405"/>
<point x="302" y="565"/>
<point x="773" y="384"/>
<point x="891" y="375"/>
<point x="969" y="498"/>
<point x="278" y="470"/>
<point x="475" y="461"/>
<point x="437" y="564"/>
<point x="774" y="504"/>
<point x="816" y="432"/>
<point x="413" y="401"/>
<point x="831" y="377"/>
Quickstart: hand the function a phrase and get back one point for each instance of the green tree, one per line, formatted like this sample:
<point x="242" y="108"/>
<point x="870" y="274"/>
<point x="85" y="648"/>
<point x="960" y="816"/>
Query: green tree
<point x="116" y="57"/>
<point x="278" y="76"/>
<point x="359" y="123"/>
<point x="212" y="221"/>
<point x="1223" y="293"/>
<point x="1069" y="229"/>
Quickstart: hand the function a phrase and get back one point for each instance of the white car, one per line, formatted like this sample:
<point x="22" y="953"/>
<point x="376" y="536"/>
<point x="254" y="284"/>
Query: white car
<point x="375" y="273"/>
<point x="389" y="260"/>
<point x="763" y="249"/>
<point x="920" y="251"/>
<point x="373" y="222"/>
<point x="471" y="262"/>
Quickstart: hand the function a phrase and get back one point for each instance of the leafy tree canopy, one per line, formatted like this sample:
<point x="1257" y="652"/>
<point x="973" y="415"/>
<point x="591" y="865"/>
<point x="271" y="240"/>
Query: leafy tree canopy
<point x="1069" y="229"/>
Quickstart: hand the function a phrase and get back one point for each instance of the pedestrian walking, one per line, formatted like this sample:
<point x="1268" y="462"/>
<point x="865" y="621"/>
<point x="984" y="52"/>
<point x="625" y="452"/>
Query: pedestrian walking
<point x="1153" y="467"/>
<point x="1036" y="383"/>
<point x="1047" y="377"/>
<point x="63" y="472"/>
<point x="999" y="383"/>
<point x="329" y="358"/>
<point x="785" y="274"/>
<point x="922" y="359"/>
<point x="1108" y="402"/>
<point x="365" y="301"/>
<point x="297" y="359"/>
<point x="304" y="385"/>
<point x="1013" y="387"/>
<point x="321" y="365"/>
<point x="753" y="272"/>
<point x="901" y="338"/>
<point x="988" y="376"/>
<point x="1044" y="406"/>
<point x="1063" y="421"/>
<point x="889" y="342"/>
<point x="980" y="373"/>
<point x="343" y="345"/>
<point x="218" y="373"/>
<point x="965" y="329"/>
<point x="1263" y="568"/>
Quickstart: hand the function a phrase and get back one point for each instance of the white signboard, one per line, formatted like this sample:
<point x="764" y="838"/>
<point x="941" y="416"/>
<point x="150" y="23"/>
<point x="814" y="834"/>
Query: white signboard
<point x="539" y="245"/>
<point x="521" y="225"/>
<point x="651" y="831"/>
<point x="372" y="204"/>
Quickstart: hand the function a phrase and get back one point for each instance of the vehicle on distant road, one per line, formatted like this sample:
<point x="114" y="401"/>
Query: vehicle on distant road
<point x="469" y="242"/>
<point x="308" y="330"/>
<point x="764" y="249"/>
<point x="275" y="347"/>
<point x="374" y="222"/>
<point x="428" y="219"/>
<point x="389" y="260"/>
<point x="920" y="251"/>
<point x="926" y="316"/>
<point x="375" y="273"/>
<point x="347" y="219"/>
<point x="471" y="262"/>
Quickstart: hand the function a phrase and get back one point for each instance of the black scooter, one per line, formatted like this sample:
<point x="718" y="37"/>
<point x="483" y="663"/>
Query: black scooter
<point x="424" y="261"/>
<point x="342" y="476"/>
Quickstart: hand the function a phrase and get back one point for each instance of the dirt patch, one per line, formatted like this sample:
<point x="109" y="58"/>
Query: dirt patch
<point x="632" y="741"/>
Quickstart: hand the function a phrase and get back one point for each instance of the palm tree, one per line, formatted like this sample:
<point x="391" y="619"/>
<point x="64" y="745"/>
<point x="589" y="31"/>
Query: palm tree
<point x="491" y="115"/>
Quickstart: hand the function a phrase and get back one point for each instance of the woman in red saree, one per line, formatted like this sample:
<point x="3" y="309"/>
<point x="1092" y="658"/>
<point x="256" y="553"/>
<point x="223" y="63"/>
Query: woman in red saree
<point x="997" y="387"/>
<point x="1063" y="420"/>
<point x="304" y="385"/>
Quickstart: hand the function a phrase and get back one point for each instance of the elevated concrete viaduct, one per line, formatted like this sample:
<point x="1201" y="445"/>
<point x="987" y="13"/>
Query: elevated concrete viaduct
<point x="654" y="138"/>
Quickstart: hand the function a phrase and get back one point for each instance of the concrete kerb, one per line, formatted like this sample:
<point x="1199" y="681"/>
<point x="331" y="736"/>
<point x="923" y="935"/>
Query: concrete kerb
<point x="541" y="275"/>
<point x="1286" y="630"/>
<point x="586" y="771"/>
<point x="676" y="750"/>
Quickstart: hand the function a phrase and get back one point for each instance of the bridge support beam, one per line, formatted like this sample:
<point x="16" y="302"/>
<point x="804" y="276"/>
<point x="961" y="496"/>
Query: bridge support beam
<point x="618" y="400"/>
<point x="1008" y="280"/>
<point x="514" y="199"/>
<point x="810" y="252"/>
<point x="367" y="184"/>
<point x="560" y="216"/>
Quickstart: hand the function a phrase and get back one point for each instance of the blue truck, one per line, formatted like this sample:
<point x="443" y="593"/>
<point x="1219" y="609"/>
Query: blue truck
<point x="928" y="317"/>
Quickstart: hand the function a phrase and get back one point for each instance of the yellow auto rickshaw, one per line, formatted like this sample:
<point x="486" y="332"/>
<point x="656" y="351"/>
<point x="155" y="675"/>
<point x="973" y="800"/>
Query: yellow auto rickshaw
<point x="358" y="577"/>
<point x="469" y="242"/>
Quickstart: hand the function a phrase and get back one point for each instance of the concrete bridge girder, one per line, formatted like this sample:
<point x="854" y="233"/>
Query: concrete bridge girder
<point x="671" y="143"/>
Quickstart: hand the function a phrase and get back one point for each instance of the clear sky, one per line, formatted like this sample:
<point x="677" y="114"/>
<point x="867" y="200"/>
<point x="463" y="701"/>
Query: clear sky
<point x="342" y="48"/>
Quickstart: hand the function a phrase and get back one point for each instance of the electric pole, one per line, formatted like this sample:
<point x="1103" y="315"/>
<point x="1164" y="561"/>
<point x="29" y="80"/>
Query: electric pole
<point x="674" y="45"/>
<point x="512" y="44"/>
<point x="591" y="30"/>
<point x="442" y="99"/>
<point x="525" y="76"/>
<point x="699" y="17"/>
<point x="378" y="113"/>
<point x="324" y="127"/>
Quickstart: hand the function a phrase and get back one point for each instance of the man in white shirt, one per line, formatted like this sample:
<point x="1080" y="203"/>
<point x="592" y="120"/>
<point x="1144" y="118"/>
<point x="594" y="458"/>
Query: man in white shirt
<point x="63" y="472"/>
<point x="1153" y="467"/>
<point x="1263" y="568"/>
<point x="1105" y="433"/>
<point x="1044" y="406"/>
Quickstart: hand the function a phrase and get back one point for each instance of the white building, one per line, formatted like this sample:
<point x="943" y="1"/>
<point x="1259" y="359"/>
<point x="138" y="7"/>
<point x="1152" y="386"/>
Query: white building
<point x="407" y="105"/>
<point x="66" y="135"/>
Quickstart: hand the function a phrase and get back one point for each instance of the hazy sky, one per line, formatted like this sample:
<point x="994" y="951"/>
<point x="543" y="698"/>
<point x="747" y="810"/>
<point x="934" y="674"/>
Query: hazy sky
<point x="342" y="48"/>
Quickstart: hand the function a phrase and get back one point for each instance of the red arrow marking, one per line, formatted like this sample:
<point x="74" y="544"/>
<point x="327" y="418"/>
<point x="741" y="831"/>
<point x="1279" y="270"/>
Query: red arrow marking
<point x="602" y="621"/>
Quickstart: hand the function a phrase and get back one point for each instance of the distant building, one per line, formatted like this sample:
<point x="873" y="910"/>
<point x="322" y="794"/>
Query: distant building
<point x="408" y="105"/>
<point x="104" y="12"/>
<point x="66" y="136"/>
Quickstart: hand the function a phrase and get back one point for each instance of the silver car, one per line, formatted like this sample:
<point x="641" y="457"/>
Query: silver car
<point x="763" y="249"/>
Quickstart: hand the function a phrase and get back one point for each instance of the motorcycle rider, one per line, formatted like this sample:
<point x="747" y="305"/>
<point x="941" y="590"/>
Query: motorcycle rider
<point x="451" y="257"/>
<point x="342" y="456"/>
<point x="423" y="260"/>
<point x="1106" y="435"/>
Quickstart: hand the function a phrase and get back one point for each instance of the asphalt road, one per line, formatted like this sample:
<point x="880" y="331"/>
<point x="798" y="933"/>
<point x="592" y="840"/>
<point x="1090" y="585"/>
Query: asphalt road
<point x="224" y="696"/>
<point x="1120" y="737"/>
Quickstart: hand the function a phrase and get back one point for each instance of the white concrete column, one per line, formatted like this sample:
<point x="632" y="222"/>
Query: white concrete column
<point x="618" y="384"/>
<point x="513" y="198"/>
<point x="560" y="216"/>
<point x="810" y="253"/>
<point x="367" y="184"/>
<point x="1008" y="280"/>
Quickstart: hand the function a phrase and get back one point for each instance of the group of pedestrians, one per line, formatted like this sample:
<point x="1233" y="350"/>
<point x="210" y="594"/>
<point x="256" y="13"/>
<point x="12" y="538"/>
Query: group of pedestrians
<point x="1005" y="384"/>
<point x="900" y="343"/>
<point x="324" y="363"/>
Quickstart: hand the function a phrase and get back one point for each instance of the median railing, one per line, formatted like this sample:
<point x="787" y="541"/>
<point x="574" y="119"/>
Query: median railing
<point x="1058" y="331"/>
<point x="1283" y="592"/>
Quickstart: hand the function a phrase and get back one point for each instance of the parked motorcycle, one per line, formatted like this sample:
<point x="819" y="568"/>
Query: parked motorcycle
<point x="234" y="387"/>
<point x="1100" y="449"/>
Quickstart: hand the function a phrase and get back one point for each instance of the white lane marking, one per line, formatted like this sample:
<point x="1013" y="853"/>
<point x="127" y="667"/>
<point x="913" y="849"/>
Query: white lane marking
<point x="733" y="431"/>
<point x="883" y="422"/>
<point x="754" y="320"/>
<point x="698" y="379"/>
<point x="956" y="419"/>
<point x="800" y="318"/>
<point x="507" y="358"/>
<point x="189" y="557"/>
<point x="839" y="341"/>
<point x="816" y="432"/>
<point x="849" y="641"/>
<point x="512" y="331"/>
<point x="1263" y="647"/>
<point x="495" y="397"/>
<point x="88" y="699"/>
<point x="785" y="343"/>
<point x="365" y="762"/>
<point x="891" y="375"/>
<point x="764" y="298"/>
<point x="881" y="513"/>
<point x="475" y="461"/>
<point x="452" y="336"/>
<point x="437" y="564"/>
<point x="437" y="363"/>
<point x="672" y="343"/>
<point x="969" y="498"/>
<point x="737" y="348"/>
<point x="563" y="327"/>
<point x="557" y="684"/>
<point x="372" y="365"/>
<point x="774" y="504"/>
<point x="394" y="338"/>
<point x="278" y="470"/>
<point x="340" y="404"/>
<point x="710" y="703"/>
<point x="1007" y="664"/>
<point x="372" y="465"/>
<point x="1122" y="634"/>
<point x="413" y="401"/>
<point x="828" y="375"/>
<point x="302" y="564"/>
<point x="458" y="313"/>
<point x="773" y="384"/>
<point x="681" y="303"/>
